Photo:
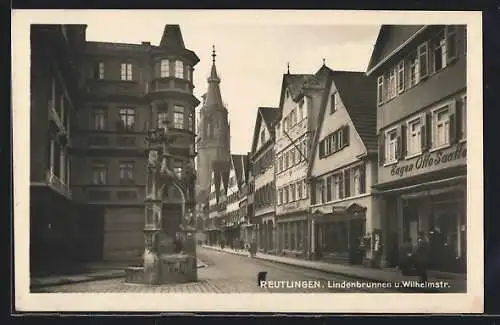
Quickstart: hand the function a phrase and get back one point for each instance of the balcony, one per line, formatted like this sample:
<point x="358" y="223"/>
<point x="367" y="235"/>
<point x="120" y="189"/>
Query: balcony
<point x="57" y="184"/>
<point x="109" y="195"/>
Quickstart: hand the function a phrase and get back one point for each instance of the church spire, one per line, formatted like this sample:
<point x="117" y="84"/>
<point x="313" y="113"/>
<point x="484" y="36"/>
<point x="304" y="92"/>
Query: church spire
<point x="213" y="95"/>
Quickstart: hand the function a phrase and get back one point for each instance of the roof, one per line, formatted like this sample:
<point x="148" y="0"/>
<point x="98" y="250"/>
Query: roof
<point x="221" y="175"/>
<point x="389" y="39"/>
<point x="172" y="37"/>
<point x="296" y="82"/>
<point x="238" y="167"/>
<point x="90" y="45"/>
<point x="358" y="94"/>
<point x="269" y="116"/>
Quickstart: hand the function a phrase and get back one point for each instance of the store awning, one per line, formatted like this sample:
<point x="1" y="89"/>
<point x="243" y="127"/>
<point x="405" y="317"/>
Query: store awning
<point x="428" y="188"/>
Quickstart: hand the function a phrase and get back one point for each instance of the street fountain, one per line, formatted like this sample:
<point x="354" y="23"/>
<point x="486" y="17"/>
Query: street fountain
<point x="163" y="261"/>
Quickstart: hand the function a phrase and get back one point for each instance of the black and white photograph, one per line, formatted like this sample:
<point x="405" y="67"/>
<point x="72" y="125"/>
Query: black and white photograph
<point x="188" y="156"/>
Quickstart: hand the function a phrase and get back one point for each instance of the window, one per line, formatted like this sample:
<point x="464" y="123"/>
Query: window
<point x="126" y="71"/>
<point x="392" y="83"/>
<point x="101" y="70"/>
<point x="329" y="188"/>
<point x="285" y="124"/>
<point x="439" y="52"/>
<point x="280" y="164"/>
<point x="356" y="181"/>
<point x="98" y="119"/>
<point x="278" y="129"/>
<point x="262" y="136"/>
<point x="190" y="121"/>
<point x="401" y="76"/>
<point x="304" y="146"/>
<point x="285" y="189"/>
<point x="292" y="193"/>
<point x="334" y="102"/>
<point x="380" y="89"/>
<point x="304" y="189"/>
<point x="299" y="190"/>
<point x="441" y="128"/>
<point x="301" y="109"/>
<point x="292" y="156"/>
<point x="178" y="117"/>
<point x="337" y="187"/>
<point x="280" y="196"/>
<point x="189" y="73"/>
<point x="415" y="136"/>
<point x="99" y="174"/>
<point x="413" y="70"/>
<point x="162" y="119"/>
<point x="423" y="59"/>
<point x="390" y="146"/>
<point x="293" y="119"/>
<point x="126" y="172"/>
<point x="179" y="69"/>
<point x="340" y="139"/>
<point x="127" y="118"/>
<point x="164" y="68"/>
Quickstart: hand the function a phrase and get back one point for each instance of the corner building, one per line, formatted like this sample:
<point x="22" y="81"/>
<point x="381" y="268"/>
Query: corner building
<point x="420" y="74"/>
<point x="126" y="89"/>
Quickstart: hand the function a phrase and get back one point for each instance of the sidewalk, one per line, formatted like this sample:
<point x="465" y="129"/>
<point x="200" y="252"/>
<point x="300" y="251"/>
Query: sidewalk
<point x="457" y="281"/>
<point x="93" y="272"/>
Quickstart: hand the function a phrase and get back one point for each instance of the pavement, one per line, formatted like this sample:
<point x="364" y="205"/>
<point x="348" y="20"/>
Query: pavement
<point x="230" y="273"/>
<point x="93" y="272"/>
<point x="456" y="282"/>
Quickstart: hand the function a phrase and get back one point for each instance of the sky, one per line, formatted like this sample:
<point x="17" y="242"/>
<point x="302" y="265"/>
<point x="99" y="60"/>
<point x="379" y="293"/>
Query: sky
<point x="252" y="58"/>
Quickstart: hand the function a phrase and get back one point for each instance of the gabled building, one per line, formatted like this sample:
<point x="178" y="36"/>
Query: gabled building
<point x="234" y="192"/>
<point x="213" y="222"/>
<point x="343" y="167"/>
<point x="421" y="83"/>
<point x="262" y="156"/>
<point x="300" y="100"/>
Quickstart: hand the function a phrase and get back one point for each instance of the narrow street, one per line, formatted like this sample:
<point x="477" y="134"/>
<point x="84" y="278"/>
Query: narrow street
<point x="228" y="273"/>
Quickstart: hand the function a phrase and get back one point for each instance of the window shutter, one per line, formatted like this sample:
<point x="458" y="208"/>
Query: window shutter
<point x="381" y="149"/>
<point x="398" y="144"/>
<point x="362" y="179"/>
<point x="347" y="183"/>
<point x="458" y="119"/>
<point x="403" y="145"/>
<point x="345" y="136"/>
<point x="428" y="131"/>
<point x="453" y="123"/>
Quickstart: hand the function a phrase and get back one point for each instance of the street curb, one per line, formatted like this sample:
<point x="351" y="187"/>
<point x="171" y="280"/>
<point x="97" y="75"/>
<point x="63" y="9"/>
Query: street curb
<point x="70" y="281"/>
<point x="355" y="277"/>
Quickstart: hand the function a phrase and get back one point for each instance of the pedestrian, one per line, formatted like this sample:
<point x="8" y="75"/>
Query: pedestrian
<point x="421" y="257"/>
<point x="406" y="259"/>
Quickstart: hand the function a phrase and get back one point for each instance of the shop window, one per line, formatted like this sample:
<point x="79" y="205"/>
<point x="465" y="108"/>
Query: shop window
<point x="414" y="136"/>
<point x="390" y="146"/>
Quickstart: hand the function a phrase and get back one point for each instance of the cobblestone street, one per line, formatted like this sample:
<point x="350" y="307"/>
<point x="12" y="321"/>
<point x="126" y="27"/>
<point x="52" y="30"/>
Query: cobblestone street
<point x="225" y="273"/>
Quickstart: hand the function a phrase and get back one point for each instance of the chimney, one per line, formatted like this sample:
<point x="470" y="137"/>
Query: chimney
<point x="146" y="43"/>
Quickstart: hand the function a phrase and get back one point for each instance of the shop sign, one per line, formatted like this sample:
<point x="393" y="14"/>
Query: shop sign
<point x="431" y="159"/>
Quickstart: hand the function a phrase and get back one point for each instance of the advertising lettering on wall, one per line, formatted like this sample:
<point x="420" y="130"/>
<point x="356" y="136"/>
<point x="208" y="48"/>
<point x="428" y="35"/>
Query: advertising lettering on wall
<point x="427" y="160"/>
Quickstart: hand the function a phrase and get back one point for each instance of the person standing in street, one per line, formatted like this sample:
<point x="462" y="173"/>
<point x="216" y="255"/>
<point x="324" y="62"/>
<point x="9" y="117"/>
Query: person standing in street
<point x="422" y="257"/>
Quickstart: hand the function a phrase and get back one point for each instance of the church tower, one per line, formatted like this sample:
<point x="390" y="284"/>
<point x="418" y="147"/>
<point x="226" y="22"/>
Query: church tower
<point x="213" y="135"/>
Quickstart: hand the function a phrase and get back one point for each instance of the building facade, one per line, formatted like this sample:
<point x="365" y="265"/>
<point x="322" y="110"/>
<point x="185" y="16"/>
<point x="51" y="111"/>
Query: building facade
<point x="123" y="90"/>
<point x="59" y="228"/>
<point x="342" y="169"/>
<point x="300" y="101"/>
<point x="262" y="156"/>
<point x="420" y="74"/>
